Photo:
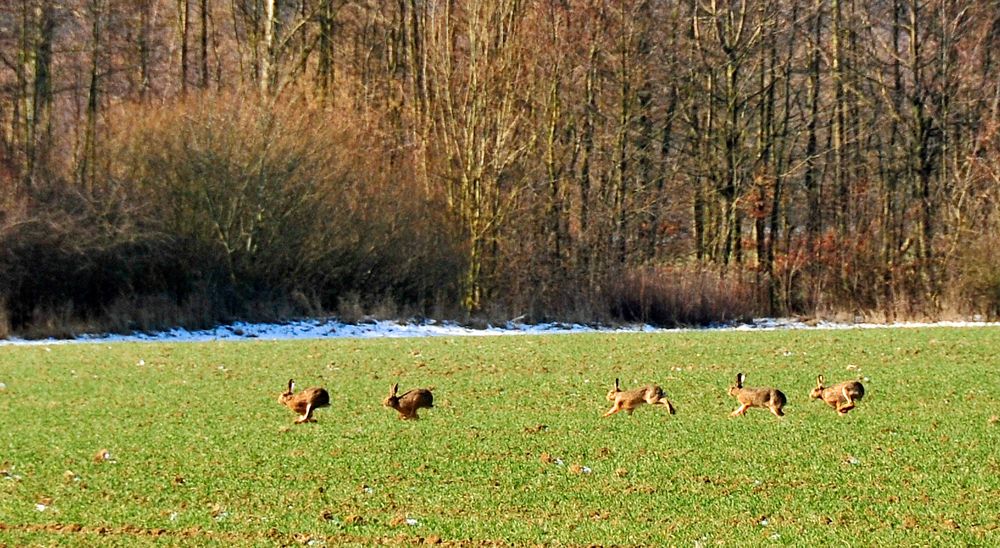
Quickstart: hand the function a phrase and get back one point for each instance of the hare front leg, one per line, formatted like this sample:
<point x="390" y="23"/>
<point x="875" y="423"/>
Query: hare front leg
<point x="740" y="410"/>
<point x="614" y="409"/>
<point x="666" y="403"/>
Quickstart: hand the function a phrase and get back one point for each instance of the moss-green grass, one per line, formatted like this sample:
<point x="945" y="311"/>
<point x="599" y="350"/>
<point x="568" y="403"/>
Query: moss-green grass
<point x="205" y="455"/>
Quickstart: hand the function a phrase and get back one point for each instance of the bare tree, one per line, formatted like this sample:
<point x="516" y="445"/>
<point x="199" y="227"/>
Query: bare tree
<point x="476" y="58"/>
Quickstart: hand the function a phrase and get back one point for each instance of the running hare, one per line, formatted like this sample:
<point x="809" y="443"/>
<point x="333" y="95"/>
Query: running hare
<point x="409" y="402"/>
<point x="769" y="398"/>
<point x="305" y="402"/>
<point x="630" y="399"/>
<point x="843" y="397"/>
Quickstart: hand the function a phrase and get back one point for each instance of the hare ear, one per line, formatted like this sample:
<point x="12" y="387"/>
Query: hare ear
<point x="616" y="385"/>
<point x="819" y="381"/>
<point x="393" y="389"/>
<point x="740" y="377"/>
<point x="291" y="385"/>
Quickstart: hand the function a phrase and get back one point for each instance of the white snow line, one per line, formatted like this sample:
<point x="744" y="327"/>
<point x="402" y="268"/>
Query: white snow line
<point x="332" y="329"/>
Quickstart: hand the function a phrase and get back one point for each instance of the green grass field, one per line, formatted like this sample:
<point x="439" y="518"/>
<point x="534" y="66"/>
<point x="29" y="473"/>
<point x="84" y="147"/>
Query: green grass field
<point x="515" y="450"/>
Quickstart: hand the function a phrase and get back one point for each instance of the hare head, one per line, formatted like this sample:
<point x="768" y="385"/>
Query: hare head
<point x="287" y="394"/>
<point x="392" y="400"/>
<point x="817" y="393"/>
<point x="735" y="388"/>
<point x="613" y="393"/>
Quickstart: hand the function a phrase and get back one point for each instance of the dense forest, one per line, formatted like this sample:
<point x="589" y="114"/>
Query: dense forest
<point x="186" y="162"/>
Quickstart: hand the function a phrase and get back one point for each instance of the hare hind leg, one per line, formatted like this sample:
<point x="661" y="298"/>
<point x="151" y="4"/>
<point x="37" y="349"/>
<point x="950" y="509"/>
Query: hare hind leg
<point x="843" y="408"/>
<point x="776" y="410"/>
<point x="307" y="416"/>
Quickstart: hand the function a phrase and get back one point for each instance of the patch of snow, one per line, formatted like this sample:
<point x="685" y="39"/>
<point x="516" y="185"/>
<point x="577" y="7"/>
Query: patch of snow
<point x="331" y="328"/>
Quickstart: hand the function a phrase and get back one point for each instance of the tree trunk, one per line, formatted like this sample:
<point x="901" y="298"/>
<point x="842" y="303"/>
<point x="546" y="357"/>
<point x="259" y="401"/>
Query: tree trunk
<point x="86" y="172"/>
<point x="811" y="177"/>
<point x="183" y="18"/>
<point x="267" y="55"/>
<point x="204" y="44"/>
<point x="38" y="126"/>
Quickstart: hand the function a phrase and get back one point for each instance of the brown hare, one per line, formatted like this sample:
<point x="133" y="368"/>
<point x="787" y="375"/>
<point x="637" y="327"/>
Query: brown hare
<point x="843" y="397"/>
<point x="409" y="402"/>
<point x="305" y="402"/>
<point x="769" y="398"/>
<point x="630" y="399"/>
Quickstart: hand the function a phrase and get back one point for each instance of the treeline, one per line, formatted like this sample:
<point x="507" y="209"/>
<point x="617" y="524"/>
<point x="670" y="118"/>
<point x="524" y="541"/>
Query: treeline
<point x="195" y="161"/>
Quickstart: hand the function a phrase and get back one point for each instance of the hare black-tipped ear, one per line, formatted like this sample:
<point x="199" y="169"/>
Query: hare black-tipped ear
<point x="740" y="377"/>
<point x="616" y="385"/>
<point x="819" y="381"/>
<point x="291" y="385"/>
<point x="393" y="389"/>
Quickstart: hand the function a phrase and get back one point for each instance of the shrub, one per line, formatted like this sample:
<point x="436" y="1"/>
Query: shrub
<point x="290" y="204"/>
<point x="221" y="208"/>
<point x="978" y="277"/>
<point x="681" y="296"/>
